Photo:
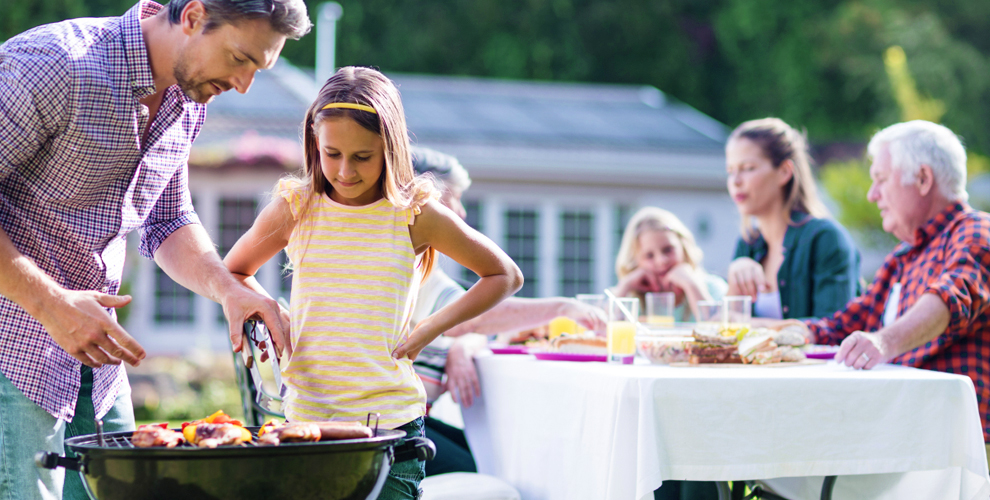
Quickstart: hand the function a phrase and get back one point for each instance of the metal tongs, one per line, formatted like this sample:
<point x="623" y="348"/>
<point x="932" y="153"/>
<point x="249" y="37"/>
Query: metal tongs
<point x="261" y="342"/>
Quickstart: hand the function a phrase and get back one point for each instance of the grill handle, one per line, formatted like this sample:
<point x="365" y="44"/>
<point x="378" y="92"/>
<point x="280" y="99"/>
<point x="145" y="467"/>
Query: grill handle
<point x="417" y="448"/>
<point x="47" y="460"/>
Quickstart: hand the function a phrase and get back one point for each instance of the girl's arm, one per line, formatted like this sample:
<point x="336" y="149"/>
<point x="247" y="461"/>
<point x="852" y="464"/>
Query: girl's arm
<point x="440" y="228"/>
<point x="691" y="281"/>
<point x="268" y="235"/>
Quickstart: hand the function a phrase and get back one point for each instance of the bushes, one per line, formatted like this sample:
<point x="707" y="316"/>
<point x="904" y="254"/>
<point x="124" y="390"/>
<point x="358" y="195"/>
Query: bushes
<point x="174" y="389"/>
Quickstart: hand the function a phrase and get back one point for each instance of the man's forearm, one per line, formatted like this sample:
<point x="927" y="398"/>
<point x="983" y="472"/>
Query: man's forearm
<point x="190" y="259"/>
<point x="924" y="321"/>
<point x="512" y="314"/>
<point x="21" y="280"/>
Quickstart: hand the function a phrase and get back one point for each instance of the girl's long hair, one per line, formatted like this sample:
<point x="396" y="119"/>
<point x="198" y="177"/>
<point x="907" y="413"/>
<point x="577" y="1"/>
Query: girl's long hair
<point x="398" y="183"/>
<point x="654" y="219"/>
<point x="780" y="142"/>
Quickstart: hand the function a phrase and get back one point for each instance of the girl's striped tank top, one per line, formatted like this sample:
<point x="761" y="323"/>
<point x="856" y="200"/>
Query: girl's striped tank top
<point x="353" y="286"/>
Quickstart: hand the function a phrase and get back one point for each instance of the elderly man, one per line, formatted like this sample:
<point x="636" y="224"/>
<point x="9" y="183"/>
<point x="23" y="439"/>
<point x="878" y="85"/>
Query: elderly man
<point x="929" y="306"/>
<point x="97" y="117"/>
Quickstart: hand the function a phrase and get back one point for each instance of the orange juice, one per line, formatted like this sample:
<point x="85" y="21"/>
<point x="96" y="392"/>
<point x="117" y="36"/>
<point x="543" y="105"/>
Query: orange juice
<point x="561" y="325"/>
<point x="660" y="320"/>
<point x="621" y="338"/>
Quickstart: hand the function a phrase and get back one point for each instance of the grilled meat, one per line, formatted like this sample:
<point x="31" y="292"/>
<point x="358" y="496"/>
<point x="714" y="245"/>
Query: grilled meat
<point x="156" y="435"/>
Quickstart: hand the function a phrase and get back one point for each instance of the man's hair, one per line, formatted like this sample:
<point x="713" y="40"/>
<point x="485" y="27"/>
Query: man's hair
<point x="444" y="167"/>
<point x="919" y="142"/>
<point x="287" y="17"/>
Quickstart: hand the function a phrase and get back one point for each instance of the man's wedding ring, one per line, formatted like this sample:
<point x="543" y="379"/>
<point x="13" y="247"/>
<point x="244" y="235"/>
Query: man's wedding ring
<point x="865" y="357"/>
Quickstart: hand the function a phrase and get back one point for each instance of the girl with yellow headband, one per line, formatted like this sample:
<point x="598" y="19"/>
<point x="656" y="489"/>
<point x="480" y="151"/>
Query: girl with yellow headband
<point x="361" y="232"/>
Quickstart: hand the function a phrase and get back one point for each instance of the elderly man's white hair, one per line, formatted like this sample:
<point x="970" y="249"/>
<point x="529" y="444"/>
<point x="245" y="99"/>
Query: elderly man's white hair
<point x="919" y="142"/>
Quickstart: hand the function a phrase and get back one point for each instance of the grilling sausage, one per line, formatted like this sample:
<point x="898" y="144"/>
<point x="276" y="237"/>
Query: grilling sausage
<point x="343" y="430"/>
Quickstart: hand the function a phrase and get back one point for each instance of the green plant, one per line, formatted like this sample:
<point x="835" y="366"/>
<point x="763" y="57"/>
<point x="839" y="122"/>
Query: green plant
<point x="176" y="389"/>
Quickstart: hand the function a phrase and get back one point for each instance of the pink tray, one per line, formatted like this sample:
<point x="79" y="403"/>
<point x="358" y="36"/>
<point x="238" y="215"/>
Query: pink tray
<point x="822" y="352"/>
<point x="508" y="349"/>
<point x="564" y="356"/>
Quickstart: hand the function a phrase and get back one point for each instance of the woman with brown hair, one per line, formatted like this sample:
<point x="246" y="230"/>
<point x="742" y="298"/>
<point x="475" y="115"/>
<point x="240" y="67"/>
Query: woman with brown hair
<point x="796" y="262"/>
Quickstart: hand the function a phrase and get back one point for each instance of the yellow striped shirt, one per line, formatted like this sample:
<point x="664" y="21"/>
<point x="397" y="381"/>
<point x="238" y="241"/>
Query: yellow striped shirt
<point x="353" y="287"/>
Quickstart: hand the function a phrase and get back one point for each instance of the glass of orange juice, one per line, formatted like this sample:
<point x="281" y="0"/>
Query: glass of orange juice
<point x="660" y="308"/>
<point x="623" y="316"/>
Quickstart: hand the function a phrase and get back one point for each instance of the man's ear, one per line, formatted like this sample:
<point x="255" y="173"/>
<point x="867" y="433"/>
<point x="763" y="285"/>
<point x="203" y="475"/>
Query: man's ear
<point x="193" y="17"/>
<point x="925" y="180"/>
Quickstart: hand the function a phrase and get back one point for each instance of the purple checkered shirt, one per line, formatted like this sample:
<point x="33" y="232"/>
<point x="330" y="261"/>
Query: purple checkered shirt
<point x="75" y="179"/>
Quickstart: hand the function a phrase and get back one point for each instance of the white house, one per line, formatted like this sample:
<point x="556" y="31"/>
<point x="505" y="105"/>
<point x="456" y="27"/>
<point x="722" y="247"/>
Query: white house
<point x="557" y="168"/>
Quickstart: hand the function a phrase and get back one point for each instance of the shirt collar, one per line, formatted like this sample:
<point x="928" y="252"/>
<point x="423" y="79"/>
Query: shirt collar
<point x="135" y="51"/>
<point x="937" y="224"/>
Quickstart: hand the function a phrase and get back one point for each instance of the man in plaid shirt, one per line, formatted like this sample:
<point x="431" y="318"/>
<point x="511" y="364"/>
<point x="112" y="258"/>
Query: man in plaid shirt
<point x="97" y="117"/>
<point x="929" y="306"/>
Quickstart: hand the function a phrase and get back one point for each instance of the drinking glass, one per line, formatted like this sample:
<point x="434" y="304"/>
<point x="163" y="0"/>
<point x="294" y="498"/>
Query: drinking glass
<point x="738" y="311"/>
<point x="623" y="317"/>
<point x="598" y="300"/>
<point x="711" y="314"/>
<point x="660" y="308"/>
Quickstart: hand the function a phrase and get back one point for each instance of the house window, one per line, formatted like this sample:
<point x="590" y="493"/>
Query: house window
<point x="622" y="215"/>
<point x="473" y="219"/>
<point x="522" y="245"/>
<point x="236" y="217"/>
<point x="173" y="302"/>
<point x="576" y="248"/>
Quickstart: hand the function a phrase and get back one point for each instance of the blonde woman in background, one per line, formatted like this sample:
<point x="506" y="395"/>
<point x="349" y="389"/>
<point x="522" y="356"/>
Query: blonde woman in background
<point x="796" y="262"/>
<point x="659" y="254"/>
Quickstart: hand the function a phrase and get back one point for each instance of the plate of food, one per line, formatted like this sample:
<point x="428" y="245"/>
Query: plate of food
<point x="577" y="348"/>
<point x="711" y="345"/>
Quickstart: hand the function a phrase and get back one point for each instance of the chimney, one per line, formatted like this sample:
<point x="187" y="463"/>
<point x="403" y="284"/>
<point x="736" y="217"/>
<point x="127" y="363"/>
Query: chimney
<point x="326" y="36"/>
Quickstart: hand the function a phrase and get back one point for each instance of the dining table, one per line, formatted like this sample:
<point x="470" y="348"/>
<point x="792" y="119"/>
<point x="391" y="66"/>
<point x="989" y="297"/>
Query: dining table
<point x="593" y="430"/>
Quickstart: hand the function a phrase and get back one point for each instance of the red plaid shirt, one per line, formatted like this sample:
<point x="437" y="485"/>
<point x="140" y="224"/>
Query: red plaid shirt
<point x="949" y="257"/>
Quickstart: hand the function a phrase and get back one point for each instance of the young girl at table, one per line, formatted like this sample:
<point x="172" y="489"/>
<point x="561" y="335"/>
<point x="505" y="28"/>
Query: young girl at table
<point x="361" y="232"/>
<point x="659" y="254"/>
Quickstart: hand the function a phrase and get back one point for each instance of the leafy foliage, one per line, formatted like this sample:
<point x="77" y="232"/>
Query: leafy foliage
<point x="817" y="64"/>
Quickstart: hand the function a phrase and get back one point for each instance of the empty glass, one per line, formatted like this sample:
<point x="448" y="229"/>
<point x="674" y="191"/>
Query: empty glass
<point x="711" y="314"/>
<point x="738" y="311"/>
<point x="595" y="300"/>
<point x="660" y="308"/>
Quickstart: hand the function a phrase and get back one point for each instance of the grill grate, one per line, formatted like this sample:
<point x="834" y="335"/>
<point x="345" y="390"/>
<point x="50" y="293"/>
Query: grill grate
<point x="116" y="441"/>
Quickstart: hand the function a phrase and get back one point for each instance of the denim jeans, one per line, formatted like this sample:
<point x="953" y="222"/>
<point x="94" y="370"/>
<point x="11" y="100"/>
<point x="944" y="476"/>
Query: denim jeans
<point x="26" y="429"/>
<point x="403" y="478"/>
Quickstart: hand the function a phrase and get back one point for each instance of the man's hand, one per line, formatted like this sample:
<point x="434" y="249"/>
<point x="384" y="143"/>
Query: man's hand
<point x="586" y="315"/>
<point x="462" y="377"/>
<point x="79" y="323"/>
<point x="746" y="277"/>
<point x="241" y="303"/>
<point x="862" y="350"/>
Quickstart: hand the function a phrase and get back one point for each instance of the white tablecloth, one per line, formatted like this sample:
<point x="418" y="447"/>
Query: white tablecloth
<point x="562" y="430"/>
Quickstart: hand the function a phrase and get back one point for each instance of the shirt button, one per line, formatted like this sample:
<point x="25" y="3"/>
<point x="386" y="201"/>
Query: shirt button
<point x="783" y="283"/>
<point x="785" y="309"/>
<point x="105" y="289"/>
